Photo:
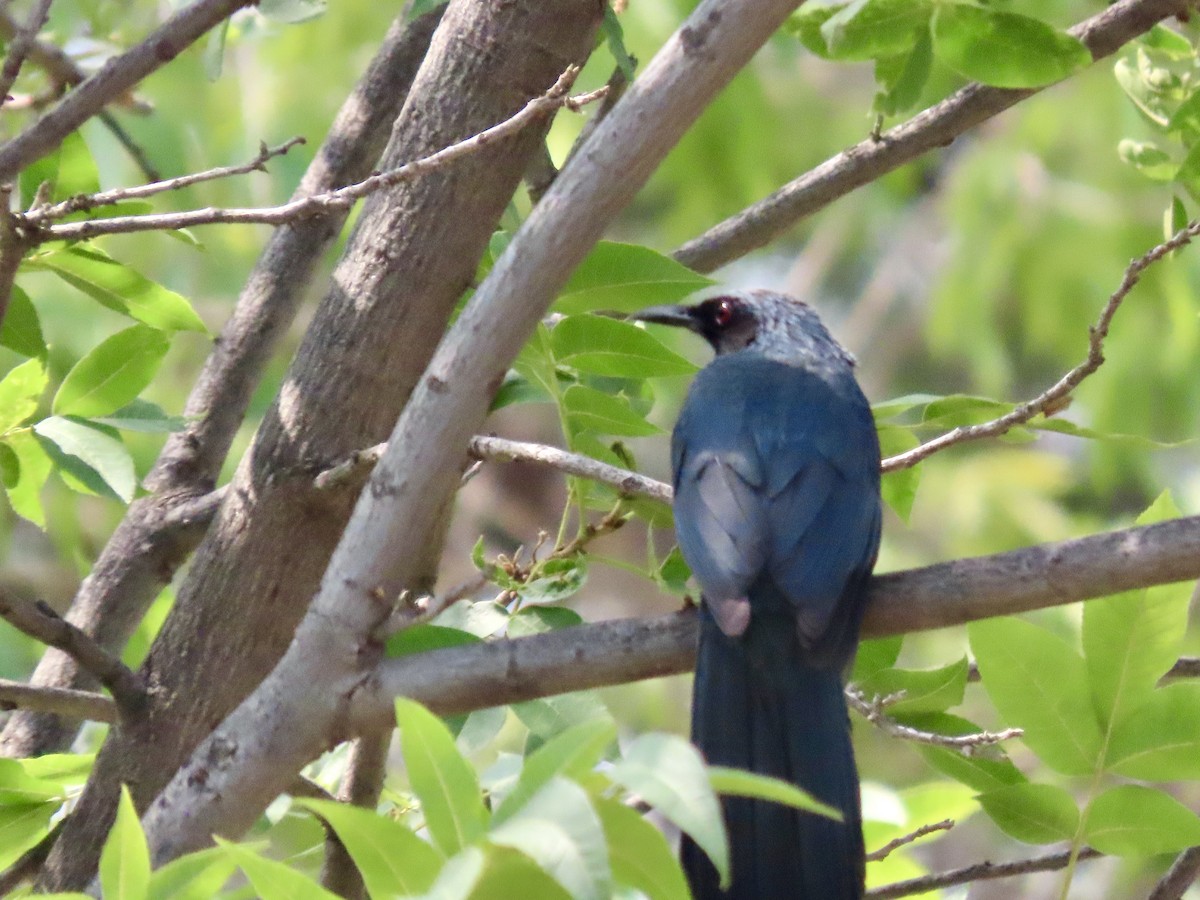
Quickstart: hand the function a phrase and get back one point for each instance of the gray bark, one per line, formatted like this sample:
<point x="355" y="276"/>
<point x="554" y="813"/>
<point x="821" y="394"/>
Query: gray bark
<point x="411" y="257"/>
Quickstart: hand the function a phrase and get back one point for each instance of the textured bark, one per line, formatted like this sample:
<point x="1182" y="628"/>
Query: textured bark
<point x="411" y="257"/>
<point x="152" y="542"/>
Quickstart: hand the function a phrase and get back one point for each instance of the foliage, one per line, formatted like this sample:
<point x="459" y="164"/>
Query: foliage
<point x="540" y="798"/>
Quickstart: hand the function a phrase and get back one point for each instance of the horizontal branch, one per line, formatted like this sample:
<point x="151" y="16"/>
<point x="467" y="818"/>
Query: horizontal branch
<point x="330" y="201"/>
<point x="61" y="701"/>
<point x="982" y="871"/>
<point x="589" y="656"/>
<point x="41" y="622"/>
<point x="867" y="161"/>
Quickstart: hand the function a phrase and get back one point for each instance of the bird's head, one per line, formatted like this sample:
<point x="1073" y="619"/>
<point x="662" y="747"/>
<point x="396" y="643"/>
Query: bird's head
<point x="766" y="321"/>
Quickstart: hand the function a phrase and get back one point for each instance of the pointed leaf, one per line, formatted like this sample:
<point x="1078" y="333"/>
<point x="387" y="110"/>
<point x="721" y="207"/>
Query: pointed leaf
<point x="1159" y="740"/>
<point x="120" y="288"/>
<point x="1131" y="820"/>
<point x="930" y="690"/>
<point x="113" y="373"/>
<point x="1033" y="813"/>
<point x="626" y="277"/>
<point x="33" y="468"/>
<point x="867" y="29"/>
<point x="22" y="330"/>
<point x="640" y="856"/>
<point x="98" y="451"/>
<point x="21" y="826"/>
<point x="560" y="831"/>
<point x="271" y="879"/>
<point x="606" y="346"/>
<point x="588" y="409"/>
<point x="668" y="773"/>
<point x="740" y="783"/>
<point x="20" y="390"/>
<point x="571" y="753"/>
<point x="125" y="859"/>
<point x="986" y="769"/>
<point x="444" y="782"/>
<point x="1039" y="683"/>
<point x="391" y="858"/>
<point x="195" y="876"/>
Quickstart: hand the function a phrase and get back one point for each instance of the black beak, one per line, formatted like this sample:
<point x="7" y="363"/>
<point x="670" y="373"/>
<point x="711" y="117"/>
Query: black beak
<point x="679" y="316"/>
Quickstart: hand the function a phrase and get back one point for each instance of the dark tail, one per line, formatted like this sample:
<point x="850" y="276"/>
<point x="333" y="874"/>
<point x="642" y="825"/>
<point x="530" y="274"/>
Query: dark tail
<point x="758" y="706"/>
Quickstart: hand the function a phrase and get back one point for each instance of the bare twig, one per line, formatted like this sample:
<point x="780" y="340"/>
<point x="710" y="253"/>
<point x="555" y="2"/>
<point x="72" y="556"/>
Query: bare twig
<point x="896" y="843"/>
<point x="587" y="656"/>
<point x="983" y="871"/>
<point x="12" y="248"/>
<point x="37" y="217"/>
<point x="1182" y="874"/>
<point x="1103" y="34"/>
<point x="133" y="148"/>
<point x="1053" y="397"/>
<point x="41" y="622"/>
<point x="114" y="80"/>
<point x="873" y="710"/>
<point x="335" y="200"/>
<point x="29" y="863"/>
<point x="19" y="47"/>
<point x="63" y="701"/>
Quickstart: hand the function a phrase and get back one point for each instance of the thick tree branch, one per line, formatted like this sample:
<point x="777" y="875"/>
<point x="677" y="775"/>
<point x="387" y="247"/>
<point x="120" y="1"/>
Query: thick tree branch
<point x="983" y="871"/>
<point x="339" y="200"/>
<point x="60" y="701"/>
<point x="383" y="548"/>
<point x="41" y="622"/>
<point x="953" y="593"/>
<point x="115" y="79"/>
<point x="362" y="785"/>
<point x="1103" y="34"/>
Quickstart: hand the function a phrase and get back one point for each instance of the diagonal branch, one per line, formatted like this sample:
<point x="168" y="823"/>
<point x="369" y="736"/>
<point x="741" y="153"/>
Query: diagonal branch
<point x="983" y="871"/>
<point x="1103" y="34"/>
<point x="20" y="46"/>
<point x="41" y="622"/>
<point x="115" y="79"/>
<point x="1182" y="874"/>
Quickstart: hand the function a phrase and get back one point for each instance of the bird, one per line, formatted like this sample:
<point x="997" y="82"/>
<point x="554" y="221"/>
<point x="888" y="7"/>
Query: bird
<point x="777" y="509"/>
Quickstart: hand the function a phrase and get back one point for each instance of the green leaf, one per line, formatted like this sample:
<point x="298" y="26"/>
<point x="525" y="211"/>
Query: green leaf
<point x="1159" y="740"/>
<point x="63" y="768"/>
<point x="1033" y="813"/>
<point x="588" y="409"/>
<point x="985" y="769"/>
<point x="876" y="654"/>
<point x="273" y="880"/>
<point x="899" y="486"/>
<point x="1004" y="49"/>
<point x="460" y="876"/>
<point x="963" y="409"/>
<point x="98" y="451"/>
<point x="21" y="826"/>
<point x="33" y="468"/>
<point x="391" y="858"/>
<point x="482" y="618"/>
<point x="120" y="288"/>
<point x="1188" y="175"/>
<point x="143" y="416"/>
<point x="20" y="787"/>
<point x="1039" y="683"/>
<point x="292" y="12"/>
<point x="614" y="39"/>
<point x="549" y="716"/>
<point x="444" y="782"/>
<point x="626" y="277"/>
<point x="740" y="783"/>
<point x="901" y="79"/>
<point x="510" y="873"/>
<point x="640" y="856"/>
<point x="541" y="619"/>
<point x="424" y="637"/>
<point x="113" y="373"/>
<point x="1175" y="218"/>
<point x="668" y="773"/>
<point x="20" y="390"/>
<point x="557" y="579"/>
<point x="214" y="51"/>
<point x="868" y="29"/>
<point x="890" y="409"/>
<point x="605" y="346"/>
<point x="561" y="832"/>
<point x="125" y="859"/>
<point x="1169" y="42"/>
<point x="1131" y="820"/>
<point x="22" y="330"/>
<point x="1145" y="95"/>
<point x="571" y="753"/>
<point x="932" y="690"/>
<point x="1153" y="162"/>
<point x="515" y="389"/>
<point x="194" y="876"/>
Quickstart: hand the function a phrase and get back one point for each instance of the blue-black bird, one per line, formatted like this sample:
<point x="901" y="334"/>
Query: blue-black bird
<point x="777" y="511"/>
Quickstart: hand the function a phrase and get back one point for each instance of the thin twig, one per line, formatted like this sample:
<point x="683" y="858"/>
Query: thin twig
<point x="330" y="201"/>
<point x="135" y="150"/>
<point x="896" y="843"/>
<point x="37" y="217"/>
<point x="978" y="872"/>
<point x="1182" y="874"/>
<point x="62" y="701"/>
<point x="1054" y="397"/>
<point x="19" y="46"/>
<point x="41" y="622"/>
<point x="967" y="744"/>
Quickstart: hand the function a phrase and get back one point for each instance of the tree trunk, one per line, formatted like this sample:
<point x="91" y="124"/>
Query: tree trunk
<point x="411" y="257"/>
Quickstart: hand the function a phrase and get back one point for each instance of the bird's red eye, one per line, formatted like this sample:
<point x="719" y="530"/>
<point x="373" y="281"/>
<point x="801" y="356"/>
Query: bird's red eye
<point x="723" y="314"/>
